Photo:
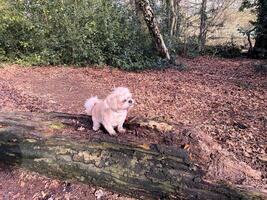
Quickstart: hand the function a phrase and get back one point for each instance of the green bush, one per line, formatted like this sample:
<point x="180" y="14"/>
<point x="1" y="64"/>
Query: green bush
<point x="188" y="48"/>
<point x="77" y="32"/>
<point x="227" y="50"/>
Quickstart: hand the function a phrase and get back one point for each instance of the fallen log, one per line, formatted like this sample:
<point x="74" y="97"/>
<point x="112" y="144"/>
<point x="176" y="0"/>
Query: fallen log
<point x="64" y="146"/>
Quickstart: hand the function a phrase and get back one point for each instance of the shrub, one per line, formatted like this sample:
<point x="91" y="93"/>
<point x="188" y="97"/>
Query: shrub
<point x="73" y="32"/>
<point x="188" y="48"/>
<point x="227" y="50"/>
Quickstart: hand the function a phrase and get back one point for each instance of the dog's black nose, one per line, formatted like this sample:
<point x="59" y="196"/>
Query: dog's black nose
<point x="130" y="101"/>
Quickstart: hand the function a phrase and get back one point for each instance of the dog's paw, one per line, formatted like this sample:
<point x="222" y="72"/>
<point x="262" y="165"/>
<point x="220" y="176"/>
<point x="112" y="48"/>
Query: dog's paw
<point x="122" y="130"/>
<point x="96" y="128"/>
<point x="112" y="133"/>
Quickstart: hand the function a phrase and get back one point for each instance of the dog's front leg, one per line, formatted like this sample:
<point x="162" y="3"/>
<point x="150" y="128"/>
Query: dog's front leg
<point x="110" y="129"/>
<point x="96" y="124"/>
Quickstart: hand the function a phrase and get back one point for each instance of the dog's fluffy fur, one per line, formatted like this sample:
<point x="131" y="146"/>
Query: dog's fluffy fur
<point x="111" y="112"/>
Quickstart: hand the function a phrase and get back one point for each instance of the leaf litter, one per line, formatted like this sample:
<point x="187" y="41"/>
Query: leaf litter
<point x="224" y="98"/>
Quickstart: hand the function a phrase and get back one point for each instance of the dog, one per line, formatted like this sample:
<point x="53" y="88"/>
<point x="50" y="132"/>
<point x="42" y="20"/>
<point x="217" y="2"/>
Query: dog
<point x="111" y="112"/>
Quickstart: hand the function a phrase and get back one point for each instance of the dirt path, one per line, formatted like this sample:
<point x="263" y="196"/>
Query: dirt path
<point x="224" y="98"/>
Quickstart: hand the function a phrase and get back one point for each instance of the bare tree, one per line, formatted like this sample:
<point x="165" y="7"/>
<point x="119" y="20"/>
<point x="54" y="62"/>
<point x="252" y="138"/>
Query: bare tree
<point x="212" y="16"/>
<point x="173" y="17"/>
<point x="203" y="25"/>
<point x="153" y="27"/>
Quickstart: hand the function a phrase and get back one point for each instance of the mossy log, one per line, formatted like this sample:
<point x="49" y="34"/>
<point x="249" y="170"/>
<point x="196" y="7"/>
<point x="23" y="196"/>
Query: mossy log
<point x="54" y="144"/>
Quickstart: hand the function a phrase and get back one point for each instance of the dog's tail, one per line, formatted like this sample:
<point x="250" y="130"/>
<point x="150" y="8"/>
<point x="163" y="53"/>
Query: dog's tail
<point x="89" y="104"/>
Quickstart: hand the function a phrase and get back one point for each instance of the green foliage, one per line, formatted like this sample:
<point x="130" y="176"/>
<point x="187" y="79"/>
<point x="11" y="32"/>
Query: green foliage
<point x="188" y="48"/>
<point x="248" y="4"/>
<point x="226" y="50"/>
<point x="260" y="8"/>
<point x="78" y="32"/>
<point x="261" y="17"/>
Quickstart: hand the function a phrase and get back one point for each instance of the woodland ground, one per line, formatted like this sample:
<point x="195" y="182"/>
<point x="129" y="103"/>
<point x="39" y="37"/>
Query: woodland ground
<point x="225" y="98"/>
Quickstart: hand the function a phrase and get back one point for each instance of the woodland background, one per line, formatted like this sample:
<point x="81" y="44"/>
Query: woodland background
<point x="84" y="32"/>
<point x="56" y="54"/>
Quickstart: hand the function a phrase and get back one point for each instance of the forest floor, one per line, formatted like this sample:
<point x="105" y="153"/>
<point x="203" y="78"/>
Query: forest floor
<point x="224" y="98"/>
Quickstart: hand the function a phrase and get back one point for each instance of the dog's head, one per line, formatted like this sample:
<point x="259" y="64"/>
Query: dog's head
<point x="120" y="99"/>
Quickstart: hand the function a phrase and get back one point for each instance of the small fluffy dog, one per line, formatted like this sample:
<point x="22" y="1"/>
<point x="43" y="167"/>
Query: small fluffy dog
<point x="111" y="112"/>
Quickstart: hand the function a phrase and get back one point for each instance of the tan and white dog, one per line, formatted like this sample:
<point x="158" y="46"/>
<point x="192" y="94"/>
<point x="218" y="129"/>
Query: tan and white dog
<point x="111" y="112"/>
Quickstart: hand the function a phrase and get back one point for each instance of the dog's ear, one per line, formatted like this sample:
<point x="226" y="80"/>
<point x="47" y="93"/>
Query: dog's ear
<point x="112" y="101"/>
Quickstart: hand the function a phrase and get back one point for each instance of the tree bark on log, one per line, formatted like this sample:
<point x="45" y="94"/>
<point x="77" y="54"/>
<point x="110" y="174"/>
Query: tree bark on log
<point x="153" y="27"/>
<point x="48" y="143"/>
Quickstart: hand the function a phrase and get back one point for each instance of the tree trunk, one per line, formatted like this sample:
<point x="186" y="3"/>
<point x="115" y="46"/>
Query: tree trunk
<point x="250" y="44"/>
<point x="35" y="141"/>
<point x="173" y="17"/>
<point x="203" y="26"/>
<point x="153" y="28"/>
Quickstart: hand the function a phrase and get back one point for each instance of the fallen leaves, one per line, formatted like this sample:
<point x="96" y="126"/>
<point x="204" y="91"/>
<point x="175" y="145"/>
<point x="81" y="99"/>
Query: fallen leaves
<point x="222" y="97"/>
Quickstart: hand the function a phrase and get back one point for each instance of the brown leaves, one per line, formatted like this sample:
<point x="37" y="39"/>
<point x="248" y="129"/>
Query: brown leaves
<point x="222" y="97"/>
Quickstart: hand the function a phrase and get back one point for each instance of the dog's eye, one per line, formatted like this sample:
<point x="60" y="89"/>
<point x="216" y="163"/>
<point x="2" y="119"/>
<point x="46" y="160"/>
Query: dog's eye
<point x="124" y="100"/>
